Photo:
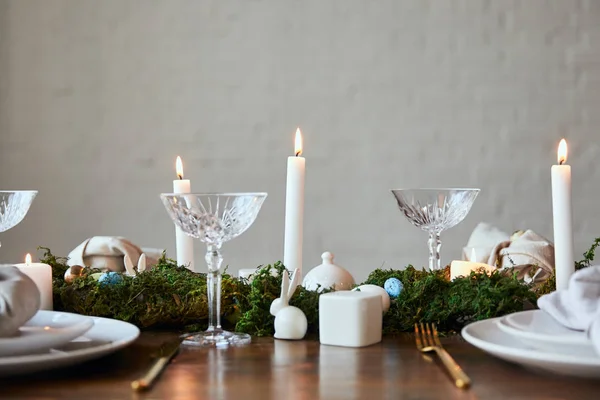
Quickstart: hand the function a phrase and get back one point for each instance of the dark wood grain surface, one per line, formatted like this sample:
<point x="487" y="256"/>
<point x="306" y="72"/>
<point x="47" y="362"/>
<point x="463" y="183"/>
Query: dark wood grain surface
<point x="294" y="370"/>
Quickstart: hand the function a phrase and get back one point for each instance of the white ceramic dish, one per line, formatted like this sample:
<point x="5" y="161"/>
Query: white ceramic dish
<point x="45" y="330"/>
<point x="105" y="337"/>
<point x="487" y="336"/>
<point x="539" y="330"/>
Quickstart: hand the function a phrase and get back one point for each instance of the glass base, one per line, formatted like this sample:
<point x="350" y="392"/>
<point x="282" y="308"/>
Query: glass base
<point x="216" y="338"/>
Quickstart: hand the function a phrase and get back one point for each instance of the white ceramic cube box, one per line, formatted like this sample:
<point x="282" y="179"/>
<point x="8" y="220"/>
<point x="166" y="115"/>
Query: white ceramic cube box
<point x="351" y="319"/>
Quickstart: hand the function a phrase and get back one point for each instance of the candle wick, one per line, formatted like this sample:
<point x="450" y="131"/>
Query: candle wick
<point x="562" y="161"/>
<point x="298" y="153"/>
<point x="180" y="176"/>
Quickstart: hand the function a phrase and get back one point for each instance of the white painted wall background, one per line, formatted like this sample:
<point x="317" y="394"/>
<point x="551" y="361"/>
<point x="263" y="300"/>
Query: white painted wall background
<point x="98" y="97"/>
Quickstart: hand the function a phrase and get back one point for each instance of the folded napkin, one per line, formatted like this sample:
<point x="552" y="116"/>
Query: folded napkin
<point x="482" y="241"/>
<point x="577" y="307"/>
<point x="107" y="253"/>
<point x="527" y="253"/>
<point x="19" y="300"/>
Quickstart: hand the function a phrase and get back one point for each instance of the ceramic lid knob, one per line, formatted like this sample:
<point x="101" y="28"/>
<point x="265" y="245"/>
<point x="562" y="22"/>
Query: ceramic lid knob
<point x="327" y="258"/>
<point x="328" y="275"/>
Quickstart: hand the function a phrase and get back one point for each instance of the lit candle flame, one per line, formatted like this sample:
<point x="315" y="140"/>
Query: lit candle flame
<point x="28" y="259"/>
<point x="562" y="152"/>
<point x="473" y="255"/>
<point x="179" y="167"/>
<point x="298" y="143"/>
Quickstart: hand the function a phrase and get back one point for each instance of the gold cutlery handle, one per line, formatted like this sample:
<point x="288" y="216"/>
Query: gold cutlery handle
<point x="146" y="381"/>
<point x="461" y="380"/>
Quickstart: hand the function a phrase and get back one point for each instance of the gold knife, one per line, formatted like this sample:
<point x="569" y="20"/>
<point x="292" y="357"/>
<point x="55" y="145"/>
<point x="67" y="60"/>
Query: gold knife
<point x="147" y="380"/>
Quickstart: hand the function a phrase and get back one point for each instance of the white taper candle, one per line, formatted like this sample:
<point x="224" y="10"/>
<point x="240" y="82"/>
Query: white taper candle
<point x="184" y="243"/>
<point x="564" y="259"/>
<point x="294" y="208"/>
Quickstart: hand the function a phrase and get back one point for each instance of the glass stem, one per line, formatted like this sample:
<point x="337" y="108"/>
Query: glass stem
<point x="435" y="244"/>
<point x="213" y="282"/>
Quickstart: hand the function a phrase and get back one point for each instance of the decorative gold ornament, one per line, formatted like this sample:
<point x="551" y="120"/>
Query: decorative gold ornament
<point x="73" y="272"/>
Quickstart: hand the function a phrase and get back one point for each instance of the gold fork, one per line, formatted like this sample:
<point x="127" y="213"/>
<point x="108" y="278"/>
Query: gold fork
<point x="427" y="341"/>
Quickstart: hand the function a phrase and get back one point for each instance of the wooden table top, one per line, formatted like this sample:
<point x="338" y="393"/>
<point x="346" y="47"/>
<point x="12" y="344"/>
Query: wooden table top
<point x="296" y="370"/>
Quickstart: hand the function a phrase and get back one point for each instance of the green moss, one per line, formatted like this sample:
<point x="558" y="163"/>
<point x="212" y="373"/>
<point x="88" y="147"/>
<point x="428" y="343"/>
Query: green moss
<point x="167" y="296"/>
<point x="588" y="256"/>
<point x="256" y="318"/>
<point x="431" y="297"/>
<point x="548" y="286"/>
<point x="170" y="296"/>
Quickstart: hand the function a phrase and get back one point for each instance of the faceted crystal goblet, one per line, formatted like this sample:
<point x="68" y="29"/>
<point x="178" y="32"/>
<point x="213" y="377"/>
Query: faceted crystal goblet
<point x="214" y="218"/>
<point x="14" y="205"/>
<point x="435" y="210"/>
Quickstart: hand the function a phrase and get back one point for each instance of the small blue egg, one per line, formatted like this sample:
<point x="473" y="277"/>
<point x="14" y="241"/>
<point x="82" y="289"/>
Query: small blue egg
<point x="110" y="278"/>
<point x="393" y="287"/>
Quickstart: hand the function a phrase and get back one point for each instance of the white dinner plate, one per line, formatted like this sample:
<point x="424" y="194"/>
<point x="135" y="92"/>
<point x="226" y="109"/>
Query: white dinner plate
<point x="487" y="336"/>
<point x="539" y="330"/>
<point x="105" y="337"/>
<point x="47" y="329"/>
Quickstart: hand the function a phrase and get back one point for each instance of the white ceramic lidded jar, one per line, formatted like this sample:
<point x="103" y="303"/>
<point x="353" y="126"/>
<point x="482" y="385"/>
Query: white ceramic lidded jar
<point x="328" y="275"/>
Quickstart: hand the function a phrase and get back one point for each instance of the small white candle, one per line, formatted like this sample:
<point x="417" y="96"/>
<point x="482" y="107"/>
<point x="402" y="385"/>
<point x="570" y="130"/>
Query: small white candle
<point x="564" y="259"/>
<point x="41" y="274"/>
<point x="249" y="273"/>
<point x="464" y="268"/>
<point x="294" y="208"/>
<point x="183" y="243"/>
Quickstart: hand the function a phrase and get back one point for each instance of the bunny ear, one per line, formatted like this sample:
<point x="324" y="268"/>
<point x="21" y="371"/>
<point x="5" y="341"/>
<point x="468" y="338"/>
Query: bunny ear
<point x="293" y="284"/>
<point x="128" y="265"/>
<point x="285" y="283"/>
<point x="142" y="263"/>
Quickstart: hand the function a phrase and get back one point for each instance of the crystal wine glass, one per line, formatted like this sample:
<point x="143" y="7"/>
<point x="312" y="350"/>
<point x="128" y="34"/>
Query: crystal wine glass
<point x="14" y="205"/>
<point x="214" y="218"/>
<point x="435" y="210"/>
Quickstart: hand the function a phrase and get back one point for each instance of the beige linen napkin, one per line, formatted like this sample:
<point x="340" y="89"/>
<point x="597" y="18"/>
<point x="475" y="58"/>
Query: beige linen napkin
<point x="527" y="253"/>
<point x="107" y="252"/>
<point x="530" y="254"/>
<point x="19" y="300"/>
<point x="483" y="240"/>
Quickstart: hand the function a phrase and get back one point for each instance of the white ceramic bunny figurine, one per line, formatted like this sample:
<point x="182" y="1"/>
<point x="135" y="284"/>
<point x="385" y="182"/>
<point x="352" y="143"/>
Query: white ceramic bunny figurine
<point x="129" y="269"/>
<point x="290" y="321"/>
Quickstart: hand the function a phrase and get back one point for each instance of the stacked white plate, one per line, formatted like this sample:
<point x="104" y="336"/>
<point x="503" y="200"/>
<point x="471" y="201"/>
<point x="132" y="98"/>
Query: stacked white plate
<point x="535" y="340"/>
<point x="54" y="339"/>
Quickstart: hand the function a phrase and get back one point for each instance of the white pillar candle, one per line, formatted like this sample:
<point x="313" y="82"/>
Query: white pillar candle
<point x="294" y="208"/>
<point x="464" y="268"/>
<point x="41" y="274"/>
<point x="247" y="273"/>
<point x="564" y="259"/>
<point x="183" y="243"/>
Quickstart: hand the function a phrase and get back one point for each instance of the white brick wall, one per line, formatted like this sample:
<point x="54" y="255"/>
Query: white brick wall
<point x="98" y="97"/>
